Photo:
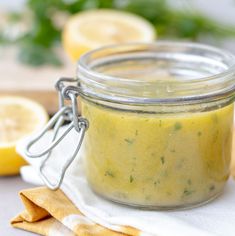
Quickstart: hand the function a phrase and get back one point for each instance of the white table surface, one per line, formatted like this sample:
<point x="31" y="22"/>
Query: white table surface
<point x="10" y="204"/>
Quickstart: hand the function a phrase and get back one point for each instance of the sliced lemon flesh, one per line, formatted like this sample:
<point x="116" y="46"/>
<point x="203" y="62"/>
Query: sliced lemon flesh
<point x="19" y="117"/>
<point x="91" y="29"/>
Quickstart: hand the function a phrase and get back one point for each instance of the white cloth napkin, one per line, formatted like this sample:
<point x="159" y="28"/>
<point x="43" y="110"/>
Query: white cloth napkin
<point x="214" y="219"/>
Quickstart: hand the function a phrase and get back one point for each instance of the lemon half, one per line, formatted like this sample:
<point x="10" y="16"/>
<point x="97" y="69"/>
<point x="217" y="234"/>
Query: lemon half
<point x="92" y="29"/>
<point x="19" y="117"/>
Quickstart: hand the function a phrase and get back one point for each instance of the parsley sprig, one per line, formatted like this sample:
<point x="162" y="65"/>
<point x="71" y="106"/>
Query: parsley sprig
<point x="37" y="45"/>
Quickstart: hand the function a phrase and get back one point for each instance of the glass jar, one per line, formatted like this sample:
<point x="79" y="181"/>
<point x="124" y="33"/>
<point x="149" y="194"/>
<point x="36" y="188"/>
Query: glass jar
<point x="160" y="122"/>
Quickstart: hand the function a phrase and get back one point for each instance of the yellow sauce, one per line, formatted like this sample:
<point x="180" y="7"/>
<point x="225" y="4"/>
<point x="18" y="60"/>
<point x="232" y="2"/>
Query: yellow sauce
<point x="157" y="160"/>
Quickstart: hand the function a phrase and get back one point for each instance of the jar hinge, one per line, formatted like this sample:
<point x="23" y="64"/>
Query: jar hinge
<point x="66" y="113"/>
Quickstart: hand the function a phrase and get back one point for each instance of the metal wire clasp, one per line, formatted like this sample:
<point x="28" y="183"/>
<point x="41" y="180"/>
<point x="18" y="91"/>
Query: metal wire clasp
<point x="66" y="113"/>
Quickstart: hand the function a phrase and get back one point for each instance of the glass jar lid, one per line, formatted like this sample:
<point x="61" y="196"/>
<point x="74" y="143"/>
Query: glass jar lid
<point x="157" y="73"/>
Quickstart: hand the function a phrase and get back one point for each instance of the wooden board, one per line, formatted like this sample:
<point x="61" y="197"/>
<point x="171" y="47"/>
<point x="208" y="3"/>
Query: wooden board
<point x="36" y="83"/>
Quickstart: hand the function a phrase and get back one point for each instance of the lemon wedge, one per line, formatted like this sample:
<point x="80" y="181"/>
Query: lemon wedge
<point x="19" y="117"/>
<point x="94" y="28"/>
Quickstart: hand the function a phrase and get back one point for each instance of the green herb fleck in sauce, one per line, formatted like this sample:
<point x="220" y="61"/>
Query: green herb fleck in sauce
<point x="189" y="181"/>
<point x="129" y="141"/>
<point x="109" y="173"/>
<point x="199" y="134"/>
<point x="178" y="126"/>
<point x="215" y="137"/>
<point x="162" y="160"/>
<point x="180" y="164"/>
<point x="187" y="192"/>
<point x="131" y="179"/>
<point x="156" y="182"/>
<point x="212" y="188"/>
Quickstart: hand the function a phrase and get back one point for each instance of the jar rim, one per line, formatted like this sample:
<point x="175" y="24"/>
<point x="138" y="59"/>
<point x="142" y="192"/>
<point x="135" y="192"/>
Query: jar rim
<point x="92" y="81"/>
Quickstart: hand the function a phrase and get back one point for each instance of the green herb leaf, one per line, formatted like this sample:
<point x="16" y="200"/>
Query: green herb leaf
<point x="169" y="22"/>
<point x="37" y="55"/>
